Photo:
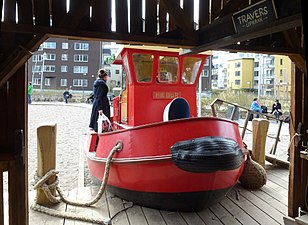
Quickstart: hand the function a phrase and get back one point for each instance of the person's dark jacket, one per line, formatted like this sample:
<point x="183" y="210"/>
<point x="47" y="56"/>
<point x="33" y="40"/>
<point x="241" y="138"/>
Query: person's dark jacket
<point x="276" y="106"/>
<point x="66" y="94"/>
<point x="101" y="102"/>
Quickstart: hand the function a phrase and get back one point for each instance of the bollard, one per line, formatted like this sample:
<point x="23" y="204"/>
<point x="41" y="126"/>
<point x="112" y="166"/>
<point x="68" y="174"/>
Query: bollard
<point x="259" y="133"/>
<point x="46" y="158"/>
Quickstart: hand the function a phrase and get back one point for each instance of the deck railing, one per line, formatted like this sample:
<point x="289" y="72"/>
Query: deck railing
<point x="237" y="108"/>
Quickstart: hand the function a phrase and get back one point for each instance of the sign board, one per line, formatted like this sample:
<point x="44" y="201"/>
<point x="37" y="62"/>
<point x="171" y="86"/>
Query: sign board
<point x="254" y="16"/>
<point x="166" y="94"/>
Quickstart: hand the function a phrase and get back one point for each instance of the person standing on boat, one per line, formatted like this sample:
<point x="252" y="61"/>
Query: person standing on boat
<point x="101" y="103"/>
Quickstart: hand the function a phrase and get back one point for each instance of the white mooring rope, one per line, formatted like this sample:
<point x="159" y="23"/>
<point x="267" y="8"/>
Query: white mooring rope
<point x="41" y="183"/>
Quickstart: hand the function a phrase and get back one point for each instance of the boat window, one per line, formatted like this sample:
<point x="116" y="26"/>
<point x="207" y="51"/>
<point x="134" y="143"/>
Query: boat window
<point x="143" y="64"/>
<point x="125" y="63"/>
<point x="123" y="79"/>
<point x="168" y="69"/>
<point x="190" y="70"/>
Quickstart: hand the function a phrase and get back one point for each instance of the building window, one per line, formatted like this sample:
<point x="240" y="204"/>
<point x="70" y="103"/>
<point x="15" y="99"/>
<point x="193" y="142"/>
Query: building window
<point x="63" y="82"/>
<point x="63" y="69"/>
<point x="49" y="68"/>
<point x="49" y="45"/>
<point x="207" y="61"/>
<point x="37" y="81"/>
<point x="237" y="64"/>
<point x="237" y="73"/>
<point x="143" y="64"/>
<point x="281" y="61"/>
<point x="47" y="82"/>
<point x="205" y="73"/>
<point x="256" y="73"/>
<point x="237" y="82"/>
<point x="36" y="68"/>
<point x="80" y="69"/>
<point x="256" y="64"/>
<point x="64" y="45"/>
<point x="117" y="71"/>
<point x="50" y="56"/>
<point x="81" y="58"/>
<point x="37" y="58"/>
<point x="64" y="57"/>
<point x="81" y="46"/>
<point x="80" y="82"/>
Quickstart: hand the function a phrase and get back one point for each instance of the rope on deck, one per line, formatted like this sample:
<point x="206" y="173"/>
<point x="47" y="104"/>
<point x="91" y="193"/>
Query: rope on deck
<point x="41" y="183"/>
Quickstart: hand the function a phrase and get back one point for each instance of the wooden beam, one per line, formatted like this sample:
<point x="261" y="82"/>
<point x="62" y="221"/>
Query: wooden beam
<point x="103" y="36"/>
<point x="263" y="49"/>
<point x="101" y="16"/>
<point x="136" y="17"/>
<point x="213" y="37"/>
<point x="18" y="57"/>
<point x="296" y="117"/>
<point x="78" y="10"/>
<point x="177" y="13"/>
<point x="204" y="12"/>
<point x="41" y="12"/>
<point x="122" y="16"/>
<point x="151" y="17"/>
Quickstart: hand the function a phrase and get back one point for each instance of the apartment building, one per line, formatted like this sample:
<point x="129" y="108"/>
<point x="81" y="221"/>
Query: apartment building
<point x="284" y="68"/>
<point x="267" y="75"/>
<point x="240" y="74"/>
<point x="61" y="63"/>
<point x="206" y="75"/>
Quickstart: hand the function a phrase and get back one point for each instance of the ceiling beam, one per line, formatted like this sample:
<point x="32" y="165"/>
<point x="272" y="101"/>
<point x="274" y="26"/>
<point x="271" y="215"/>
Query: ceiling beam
<point x="96" y="35"/>
<point x="18" y="57"/>
<point x="214" y="37"/>
<point x="179" y="17"/>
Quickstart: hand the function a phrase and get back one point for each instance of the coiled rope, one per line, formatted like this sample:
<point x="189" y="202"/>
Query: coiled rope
<point x="41" y="183"/>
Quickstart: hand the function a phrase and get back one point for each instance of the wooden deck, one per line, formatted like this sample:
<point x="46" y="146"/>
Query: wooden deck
<point x="267" y="206"/>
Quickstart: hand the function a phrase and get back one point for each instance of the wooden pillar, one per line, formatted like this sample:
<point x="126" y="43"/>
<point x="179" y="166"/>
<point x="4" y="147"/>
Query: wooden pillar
<point x="259" y="132"/>
<point x="46" y="157"/>
<point x="295" y="197"/>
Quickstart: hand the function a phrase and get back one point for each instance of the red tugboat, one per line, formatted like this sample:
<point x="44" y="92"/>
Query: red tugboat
<point x="171" y="159"/>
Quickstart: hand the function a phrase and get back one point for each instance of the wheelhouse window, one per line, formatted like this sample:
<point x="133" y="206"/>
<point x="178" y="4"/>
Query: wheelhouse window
<point x="126" y="70"/>
<point x="168" y="69"/>
<point x="191" y="67"/>
<point x="143" y="64"/>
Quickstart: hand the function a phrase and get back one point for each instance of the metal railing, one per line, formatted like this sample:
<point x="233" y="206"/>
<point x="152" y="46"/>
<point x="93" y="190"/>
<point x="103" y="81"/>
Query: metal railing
<point x="236" y="108"/>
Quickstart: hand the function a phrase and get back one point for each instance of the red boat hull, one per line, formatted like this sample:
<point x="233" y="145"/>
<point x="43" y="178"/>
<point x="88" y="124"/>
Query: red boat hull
<point x="144" y="172"/>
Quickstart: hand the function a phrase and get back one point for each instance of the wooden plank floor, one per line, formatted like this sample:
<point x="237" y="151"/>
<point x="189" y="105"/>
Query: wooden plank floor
<point x="267" y="206"/>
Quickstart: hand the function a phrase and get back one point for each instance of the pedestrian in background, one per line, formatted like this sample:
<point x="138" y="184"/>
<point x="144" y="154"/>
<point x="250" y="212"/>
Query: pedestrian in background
<point x="276" y="109"/>
<point x="66" y="95"/>
<point x="255" y="106"/>
<point x="101" y="102"/>
<point x="30" y="92"/>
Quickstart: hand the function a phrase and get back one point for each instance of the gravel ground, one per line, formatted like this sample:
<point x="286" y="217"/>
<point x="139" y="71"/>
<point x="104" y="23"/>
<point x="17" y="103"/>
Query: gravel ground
<point x="72" y="125"/>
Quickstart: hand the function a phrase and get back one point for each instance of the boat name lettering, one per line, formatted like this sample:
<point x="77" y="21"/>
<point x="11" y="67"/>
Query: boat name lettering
<point x="165" y="95"/>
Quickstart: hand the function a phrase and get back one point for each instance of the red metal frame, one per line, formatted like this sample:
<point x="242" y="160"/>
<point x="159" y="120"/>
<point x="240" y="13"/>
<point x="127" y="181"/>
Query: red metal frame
<point x="146" y="101"/>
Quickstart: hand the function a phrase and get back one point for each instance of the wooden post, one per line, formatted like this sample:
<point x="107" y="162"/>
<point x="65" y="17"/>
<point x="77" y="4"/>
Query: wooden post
<point x="46" y="157"/>
<point x="259" y="132"/>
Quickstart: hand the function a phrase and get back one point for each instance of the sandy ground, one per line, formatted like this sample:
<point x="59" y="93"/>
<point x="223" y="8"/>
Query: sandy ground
<point x="72" y="125"/>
